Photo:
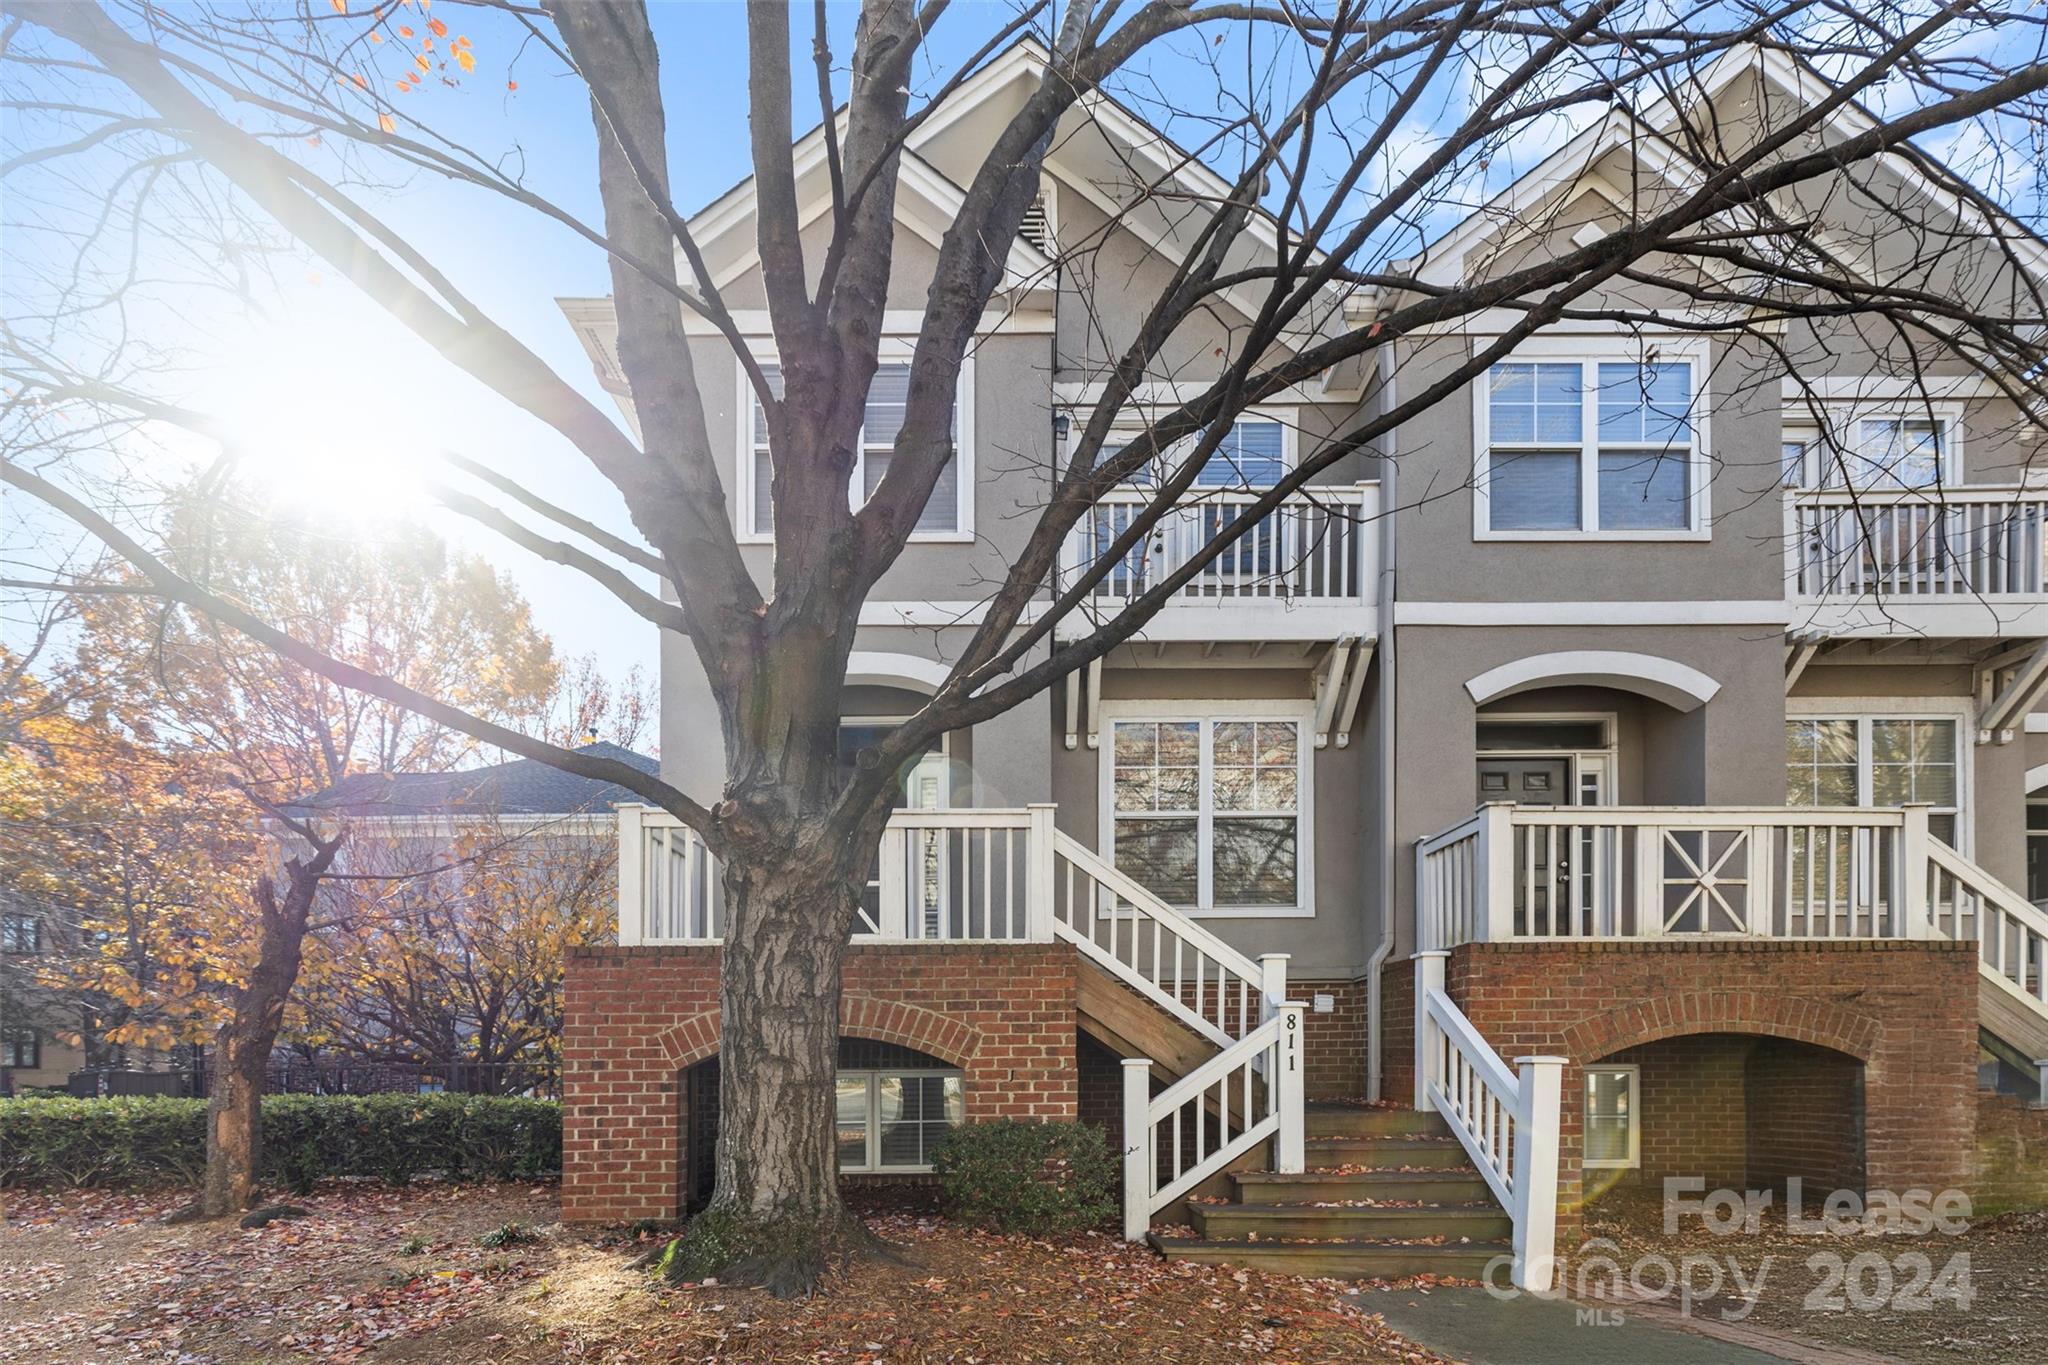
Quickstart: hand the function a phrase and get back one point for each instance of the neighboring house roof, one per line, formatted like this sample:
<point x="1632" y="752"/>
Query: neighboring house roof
<point x="525" y="786"/>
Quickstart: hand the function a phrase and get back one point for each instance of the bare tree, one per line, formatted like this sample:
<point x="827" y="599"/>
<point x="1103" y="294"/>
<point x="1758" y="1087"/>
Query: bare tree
<point x="1306" y="209"/>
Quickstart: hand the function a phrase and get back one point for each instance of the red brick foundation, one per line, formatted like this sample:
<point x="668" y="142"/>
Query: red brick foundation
<point x="1333" y="1044"/>
<point x="1907" y="1012"/>
<point x="2011" y="1165"/>
<point x="634" y="1018"/>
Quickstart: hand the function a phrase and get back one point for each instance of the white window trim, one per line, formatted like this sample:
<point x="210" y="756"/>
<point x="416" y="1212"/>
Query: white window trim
<point x="1302" y="712"/>
<point x="893" y="351"/>
<point x="1862" y="709"/>
<point x="1634" y="1159"/>
<point x="1846" y="419"/>
<point x="1133" y="421"/>
<point x="872" y="1075"/>
<point x="1593" y="350"/>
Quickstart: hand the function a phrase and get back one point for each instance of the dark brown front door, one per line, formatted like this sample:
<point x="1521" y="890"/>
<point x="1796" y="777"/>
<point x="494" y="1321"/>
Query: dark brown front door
<point x="1541" y="879"/>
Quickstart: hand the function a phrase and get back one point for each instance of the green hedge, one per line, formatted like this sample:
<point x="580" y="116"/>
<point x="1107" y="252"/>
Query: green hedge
<point x="69" y="1142"/>
<point x="1019" y="1176"/>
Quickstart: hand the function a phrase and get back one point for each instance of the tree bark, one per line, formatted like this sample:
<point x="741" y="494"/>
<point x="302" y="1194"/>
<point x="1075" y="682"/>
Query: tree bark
<point x="234" y="1110"/>
<point x="776" y="1219"/>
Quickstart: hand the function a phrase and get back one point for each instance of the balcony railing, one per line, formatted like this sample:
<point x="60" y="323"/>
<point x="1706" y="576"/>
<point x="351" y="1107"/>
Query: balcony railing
<point x="1318" y="546"/>
<point x="1963" y="542"/>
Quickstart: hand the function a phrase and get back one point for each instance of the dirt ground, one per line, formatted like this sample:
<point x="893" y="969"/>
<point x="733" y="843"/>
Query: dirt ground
<point x="1983" y="1296"/>
<point x="378" y="1275"/>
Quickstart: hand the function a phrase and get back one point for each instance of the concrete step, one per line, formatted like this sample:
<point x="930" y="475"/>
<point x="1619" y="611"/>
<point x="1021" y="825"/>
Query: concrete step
<point x="1447" y="1186"/>
<point x="1357" y="1120"/>
<point x="1484" y="1222"/>
<point x="1384" y="1152"/>
<point x="1353" y="1259"/>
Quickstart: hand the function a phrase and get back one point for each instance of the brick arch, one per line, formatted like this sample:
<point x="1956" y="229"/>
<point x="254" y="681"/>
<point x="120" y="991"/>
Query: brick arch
<point x="1710" y="1011"/>
<point x="691" y="1040"/>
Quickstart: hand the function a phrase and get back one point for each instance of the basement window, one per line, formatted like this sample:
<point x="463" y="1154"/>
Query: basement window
<point x="891" y="1120"/>
<point x="1613" y="1123"/>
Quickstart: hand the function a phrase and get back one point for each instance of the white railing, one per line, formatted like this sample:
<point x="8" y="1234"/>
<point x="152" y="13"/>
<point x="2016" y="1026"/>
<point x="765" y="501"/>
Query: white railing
<point x="1508" y="1122"/>
<point x="1196" y="1127"/>
<point x="1317" y="546"/>
<point x="1964" y="902"/>
<point x="1613" y="872"/>
<point x="1966" y="541"/>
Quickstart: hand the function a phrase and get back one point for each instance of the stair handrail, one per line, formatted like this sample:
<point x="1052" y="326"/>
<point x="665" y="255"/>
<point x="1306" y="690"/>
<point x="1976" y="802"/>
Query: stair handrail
<point x="1266" y="1063"/>
<point x="1508" y="1123"/>
<point x="2005" y="949"/>
<point x="1256" y="982"/>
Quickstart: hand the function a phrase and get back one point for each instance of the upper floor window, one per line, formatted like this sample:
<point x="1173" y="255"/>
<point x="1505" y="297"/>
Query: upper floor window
<point x="1252" y="454"/>
<point x="1876" y="450"/>
<point x="22" y="1050"/>
<point x="1587" y="446"/>
<point x="21" y="934"/>
<point x="1876" y="761"/>
<point x="946" y="513"/>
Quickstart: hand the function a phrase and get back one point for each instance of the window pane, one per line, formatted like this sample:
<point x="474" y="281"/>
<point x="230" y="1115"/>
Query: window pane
<point x="1897" y="453"/>
<point x="1608" y="1115"/>
<point x="1820" y="763"/>
<point x="852" y="1125"/>
<point x="887" y="394"/>
<point x="1792" y="458"/>
<point x="1160" y="855"/>
<point x="1530" y="403"/>
<point x="1249" y="456"/>
<point x="762" y="471"/>
<point x="1255" y="861"/>
<point x="1643" y="490"/>
<point x="1648" y="404"/>
<point x="1533" y="490"/>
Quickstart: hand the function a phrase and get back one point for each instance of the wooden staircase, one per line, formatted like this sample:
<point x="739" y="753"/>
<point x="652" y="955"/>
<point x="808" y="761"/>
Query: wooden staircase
<point x="1388" y="1193"/>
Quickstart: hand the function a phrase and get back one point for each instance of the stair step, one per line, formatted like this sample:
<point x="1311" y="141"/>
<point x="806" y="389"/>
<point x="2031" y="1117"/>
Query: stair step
<point x="1312" y="1187"/>
<point x="1476" y="1222"/>
<point x="1351" y="1259"/>
<point x="1354" y="1120"/>
<point x="1384" y="1152"/>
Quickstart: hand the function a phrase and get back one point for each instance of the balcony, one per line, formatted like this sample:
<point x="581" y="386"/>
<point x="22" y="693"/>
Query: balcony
<point x="1958" y="562"/>
<point x="1305" y="572"/>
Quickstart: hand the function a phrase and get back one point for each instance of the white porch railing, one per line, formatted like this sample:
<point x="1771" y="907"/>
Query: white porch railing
<point x="1963" y="902"/>
<point x="1508" y="1122"/>
<point x="1963" y="541"/>
<point x="964" y="876"/>
<point x="1177" y="1139"/>
<point x="1616" y="872"/>
<point x="1317" y="546"/>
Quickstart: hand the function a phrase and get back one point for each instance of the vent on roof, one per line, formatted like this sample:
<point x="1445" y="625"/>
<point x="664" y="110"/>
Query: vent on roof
<point x="1036" y="227"/>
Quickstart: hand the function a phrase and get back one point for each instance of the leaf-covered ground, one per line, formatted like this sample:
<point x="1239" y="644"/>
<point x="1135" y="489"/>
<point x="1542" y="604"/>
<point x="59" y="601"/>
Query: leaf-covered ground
<point x="377" y="1275"/>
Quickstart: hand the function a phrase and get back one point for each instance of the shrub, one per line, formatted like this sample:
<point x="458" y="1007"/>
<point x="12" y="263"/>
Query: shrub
<point x="392" y="1137"/>
<point x="1037" y="1178"/>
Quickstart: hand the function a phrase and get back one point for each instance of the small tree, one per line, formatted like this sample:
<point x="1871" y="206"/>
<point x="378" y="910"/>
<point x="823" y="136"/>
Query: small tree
<point x="1310" y="195"/>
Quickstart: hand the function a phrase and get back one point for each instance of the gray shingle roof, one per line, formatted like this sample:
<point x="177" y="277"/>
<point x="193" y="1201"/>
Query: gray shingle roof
<point x="524" y="786"/>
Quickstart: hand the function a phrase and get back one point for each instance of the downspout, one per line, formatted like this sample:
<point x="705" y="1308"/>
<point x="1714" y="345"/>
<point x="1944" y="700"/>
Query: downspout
<point x="1389" y="673"/>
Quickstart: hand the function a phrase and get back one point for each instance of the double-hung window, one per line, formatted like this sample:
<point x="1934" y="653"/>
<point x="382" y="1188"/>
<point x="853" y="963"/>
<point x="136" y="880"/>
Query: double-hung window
<point x="1876" y="761"/>
<point x="1878" y="449"/>
<point x="1591" y="446"/>
<point x="23" y="1050"/>
<point x="946" y="514"/>
<point x="21" y="934"/>
<point x="890" y="1120"/>
<point x="1613" y="1120"/>
<point x="1208" y="809"/>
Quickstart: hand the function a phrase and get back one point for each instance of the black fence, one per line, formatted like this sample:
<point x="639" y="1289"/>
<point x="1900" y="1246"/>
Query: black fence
<point x="298" y="1076"/>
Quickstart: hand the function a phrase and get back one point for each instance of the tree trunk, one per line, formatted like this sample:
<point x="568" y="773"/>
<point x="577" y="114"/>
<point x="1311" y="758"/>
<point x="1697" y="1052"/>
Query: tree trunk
<point x="234" y="1111"/>
<point x="776" y="1219"/>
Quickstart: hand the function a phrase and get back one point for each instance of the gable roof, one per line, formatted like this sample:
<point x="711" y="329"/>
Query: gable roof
<point x="1647" y="134"/>
<point x="524" y="786"/>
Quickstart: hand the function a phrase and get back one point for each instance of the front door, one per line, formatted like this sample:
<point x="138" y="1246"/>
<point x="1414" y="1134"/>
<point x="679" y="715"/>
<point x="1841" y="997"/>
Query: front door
<point x="1542" y="858"/>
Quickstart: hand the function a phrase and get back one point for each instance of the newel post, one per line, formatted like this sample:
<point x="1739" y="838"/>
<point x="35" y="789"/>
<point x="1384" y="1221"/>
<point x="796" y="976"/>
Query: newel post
<point x="1913" y="870"/>
<point x="1140" y="1155"/>
<point x="1495" y="922"/>
<point x="1039" y="874"/>
<point x="1290" y="1149"/>
<point x="632" y="873"/>
<point x="1272" y="984"/>
<point x="1429" y="980"/>
<point x="1536" y="1143"/>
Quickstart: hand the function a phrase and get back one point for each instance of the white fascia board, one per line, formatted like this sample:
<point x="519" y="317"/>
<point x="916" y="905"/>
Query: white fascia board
<point x="1167" y="393"/>
<point x="1630" y="613"/>
<point x="937" y="614"/>
<point x="1880" y="388"/>
<point x="896" y="322"/>
<point x="2006" y="617"/>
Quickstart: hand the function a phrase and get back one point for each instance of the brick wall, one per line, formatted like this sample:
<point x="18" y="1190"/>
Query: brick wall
<point x="1806" y="1116"/>
<point x="2010" y="1166"/>
<point x="1333" y="1044"/>
<point x="634" y="1018"/>
<point x="1397" y="1031"/>
<point x="1693" y="1118"/>
<point x="1906" y="1011"/>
